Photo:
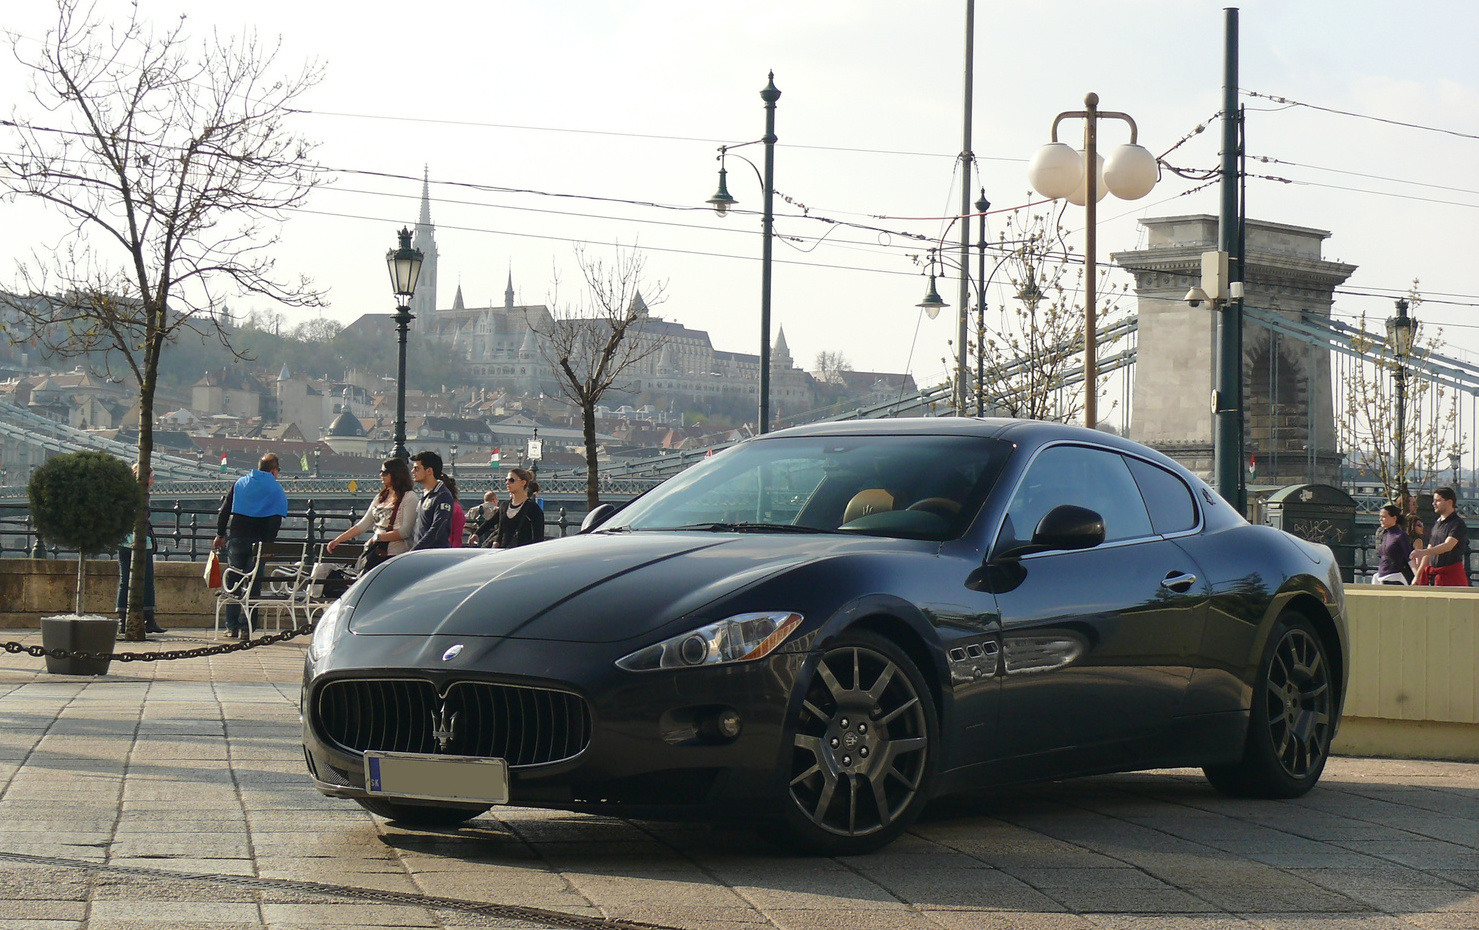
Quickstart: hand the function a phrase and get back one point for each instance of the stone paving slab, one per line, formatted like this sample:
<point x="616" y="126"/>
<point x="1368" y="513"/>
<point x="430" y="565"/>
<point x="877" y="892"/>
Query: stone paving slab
<point x="172" y="794"/>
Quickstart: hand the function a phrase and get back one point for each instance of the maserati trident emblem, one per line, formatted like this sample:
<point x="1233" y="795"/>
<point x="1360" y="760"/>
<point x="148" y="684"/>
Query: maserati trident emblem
<point x="444" y="728"/>
<point x="451" y="653"/>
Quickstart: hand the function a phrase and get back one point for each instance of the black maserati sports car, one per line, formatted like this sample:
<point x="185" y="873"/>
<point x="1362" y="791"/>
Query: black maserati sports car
<point x="820" y="629"/>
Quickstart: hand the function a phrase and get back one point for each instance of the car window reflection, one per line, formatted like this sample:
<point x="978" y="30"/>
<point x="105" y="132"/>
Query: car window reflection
<point x="912" y="487"/>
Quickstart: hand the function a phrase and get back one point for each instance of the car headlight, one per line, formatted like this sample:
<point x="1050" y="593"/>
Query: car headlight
<point x="741" y="638"/>
<point x="329" y="626"/>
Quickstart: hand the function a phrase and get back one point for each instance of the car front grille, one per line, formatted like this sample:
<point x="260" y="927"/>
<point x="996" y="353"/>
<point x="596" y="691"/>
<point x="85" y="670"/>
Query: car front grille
<point x="526" y="726"/>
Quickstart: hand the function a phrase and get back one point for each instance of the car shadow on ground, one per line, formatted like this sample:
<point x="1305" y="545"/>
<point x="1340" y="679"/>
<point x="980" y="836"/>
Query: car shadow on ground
<point x="1163" y="842"/>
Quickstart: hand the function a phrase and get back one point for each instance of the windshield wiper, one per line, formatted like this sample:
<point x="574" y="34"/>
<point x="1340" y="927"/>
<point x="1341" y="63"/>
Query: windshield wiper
<point x="752" y="528"/>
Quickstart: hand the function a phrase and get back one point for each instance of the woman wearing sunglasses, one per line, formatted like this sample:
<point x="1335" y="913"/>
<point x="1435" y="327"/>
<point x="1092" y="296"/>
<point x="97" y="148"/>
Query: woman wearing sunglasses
<point x="390" y="516"/>
<point x="520" y="518"/>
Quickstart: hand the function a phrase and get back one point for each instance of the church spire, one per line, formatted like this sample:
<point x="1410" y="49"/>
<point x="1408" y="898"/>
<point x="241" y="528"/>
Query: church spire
<point x="424" y="304"/>
<point x="508" y="292"/>
<point x="425" y="218"/>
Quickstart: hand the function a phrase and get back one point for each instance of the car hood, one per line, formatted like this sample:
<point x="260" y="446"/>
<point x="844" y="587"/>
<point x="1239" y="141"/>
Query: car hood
<point x="598" y="588"/>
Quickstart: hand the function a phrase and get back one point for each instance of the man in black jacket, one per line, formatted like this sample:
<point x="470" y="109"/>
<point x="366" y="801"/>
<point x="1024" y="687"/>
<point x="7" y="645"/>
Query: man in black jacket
<point x="252" y="512"/>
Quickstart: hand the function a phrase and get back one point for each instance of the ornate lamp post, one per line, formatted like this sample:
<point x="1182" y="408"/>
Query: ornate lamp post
<point x="405" y="268"/>
<point x="1401" y="331"/>
<point x="1455" y="461"/>
<point x="1057" y="171"/>
<point x="454" y="460"/>
<point x="722" y="201"/>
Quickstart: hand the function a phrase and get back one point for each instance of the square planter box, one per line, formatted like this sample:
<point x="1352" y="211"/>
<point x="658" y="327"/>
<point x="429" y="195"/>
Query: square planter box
<point x="79" y="634"/>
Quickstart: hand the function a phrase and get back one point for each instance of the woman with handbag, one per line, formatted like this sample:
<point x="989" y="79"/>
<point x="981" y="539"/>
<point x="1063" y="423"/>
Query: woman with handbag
<point x="390" y="517"/>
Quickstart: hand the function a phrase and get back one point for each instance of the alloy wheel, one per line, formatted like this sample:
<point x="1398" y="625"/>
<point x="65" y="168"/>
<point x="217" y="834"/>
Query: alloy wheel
<point x="1299" y="707"/>
<point x="861" y="747"/>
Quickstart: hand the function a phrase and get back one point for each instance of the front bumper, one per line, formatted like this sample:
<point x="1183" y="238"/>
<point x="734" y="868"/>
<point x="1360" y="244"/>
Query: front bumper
<point x="652" y="751"/>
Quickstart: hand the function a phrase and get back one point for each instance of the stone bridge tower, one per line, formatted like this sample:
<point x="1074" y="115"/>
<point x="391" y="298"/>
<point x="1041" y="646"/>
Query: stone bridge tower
<point x="1289" y="415"/>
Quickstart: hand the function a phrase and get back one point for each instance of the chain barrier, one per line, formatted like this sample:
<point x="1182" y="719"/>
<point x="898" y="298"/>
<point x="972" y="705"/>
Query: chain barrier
<point x="41" y="652"/>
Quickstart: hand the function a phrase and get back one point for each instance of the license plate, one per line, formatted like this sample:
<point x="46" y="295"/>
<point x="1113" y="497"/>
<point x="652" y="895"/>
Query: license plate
<point x="437" y="778"/>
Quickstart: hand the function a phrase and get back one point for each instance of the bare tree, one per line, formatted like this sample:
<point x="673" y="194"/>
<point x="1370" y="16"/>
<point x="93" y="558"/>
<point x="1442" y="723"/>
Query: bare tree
<point x="1418" y="452"/>
<point x="830" y="366"/>
<point x="592" y="345"/>
<point x="1027" y="357"/>
<point x="173" y="165"/>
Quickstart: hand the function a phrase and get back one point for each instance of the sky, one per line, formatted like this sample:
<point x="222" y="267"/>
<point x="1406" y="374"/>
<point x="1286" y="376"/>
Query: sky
<point x="598" y="122"/>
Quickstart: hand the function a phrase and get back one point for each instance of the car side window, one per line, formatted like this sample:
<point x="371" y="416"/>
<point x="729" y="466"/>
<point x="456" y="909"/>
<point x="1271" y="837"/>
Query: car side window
<point x="1170" y="503"/>
<point x="1092" y="478"/>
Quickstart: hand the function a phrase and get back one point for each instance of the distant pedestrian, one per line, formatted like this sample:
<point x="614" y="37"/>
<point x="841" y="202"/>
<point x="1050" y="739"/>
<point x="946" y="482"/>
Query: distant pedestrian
<point x="1444" y="562"/>
<point x="125" y="567"/>
<point x="520" y="518"/>
<point x="390" y="518"/>
<point x="459" y="516"/>
<point x="484" y="519"/>
<point x="251" y="513"/>
<point x="1393" y="549"/>
<point x="434" y="514"/>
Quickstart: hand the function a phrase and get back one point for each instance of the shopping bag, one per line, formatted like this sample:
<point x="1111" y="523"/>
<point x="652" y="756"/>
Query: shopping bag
<point x="213" y="570"/>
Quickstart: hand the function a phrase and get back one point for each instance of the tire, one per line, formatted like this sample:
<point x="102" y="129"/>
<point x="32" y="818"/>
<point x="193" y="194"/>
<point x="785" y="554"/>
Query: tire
<point x="861" y="749"/>
<point x="1291" y="721"/>
<point x="420" y="815"/>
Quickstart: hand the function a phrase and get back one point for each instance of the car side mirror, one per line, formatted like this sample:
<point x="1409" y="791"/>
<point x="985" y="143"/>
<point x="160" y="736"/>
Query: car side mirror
<point x="1065" y="527"/>
<point x="599" y="514"/>
<point x="1069" y="527"/>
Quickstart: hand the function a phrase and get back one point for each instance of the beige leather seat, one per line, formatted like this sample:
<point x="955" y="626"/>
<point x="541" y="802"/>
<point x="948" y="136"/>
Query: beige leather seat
<point x="866" y="501"/>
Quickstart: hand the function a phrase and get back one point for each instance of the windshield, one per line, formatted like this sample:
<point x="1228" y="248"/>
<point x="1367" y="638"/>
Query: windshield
<point x="915" y="487"/>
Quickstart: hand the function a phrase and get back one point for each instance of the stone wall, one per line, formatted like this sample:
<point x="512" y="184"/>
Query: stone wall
<point x="33" y="588"/>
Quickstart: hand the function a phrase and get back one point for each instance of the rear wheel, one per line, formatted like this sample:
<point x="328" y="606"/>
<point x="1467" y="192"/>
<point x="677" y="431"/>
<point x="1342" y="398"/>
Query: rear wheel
<point x="862" y="749"/>
<point x="1291" y="720"/>
<point x="420" y="815"/>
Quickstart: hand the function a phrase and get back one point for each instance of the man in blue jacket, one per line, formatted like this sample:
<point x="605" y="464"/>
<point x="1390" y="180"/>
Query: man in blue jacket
<point x="251" y="513"/>
<point x="434" y="515"/>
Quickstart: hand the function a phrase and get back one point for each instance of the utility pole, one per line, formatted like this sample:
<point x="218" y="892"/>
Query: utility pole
<point x="1228" y="406"/>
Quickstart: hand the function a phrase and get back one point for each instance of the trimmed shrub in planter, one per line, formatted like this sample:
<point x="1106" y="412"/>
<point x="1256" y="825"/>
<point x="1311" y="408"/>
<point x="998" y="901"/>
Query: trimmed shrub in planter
<point x="85" y="501"/>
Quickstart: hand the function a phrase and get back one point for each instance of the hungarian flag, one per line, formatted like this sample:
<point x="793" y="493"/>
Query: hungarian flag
<point x="1253" y="466"/>
<point x="494" y="458"/>
<point x="223" y="462"/>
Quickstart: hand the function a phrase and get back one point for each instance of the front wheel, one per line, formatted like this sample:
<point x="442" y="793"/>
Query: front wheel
<point x="420" y="815"/>
<point x="1291" y="721"/>
<point x="862" y="749"/>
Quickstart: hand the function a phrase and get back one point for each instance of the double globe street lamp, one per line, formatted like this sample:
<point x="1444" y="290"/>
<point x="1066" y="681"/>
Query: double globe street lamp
<point x="405" y="267"/>
<point x="1058" y="171"/>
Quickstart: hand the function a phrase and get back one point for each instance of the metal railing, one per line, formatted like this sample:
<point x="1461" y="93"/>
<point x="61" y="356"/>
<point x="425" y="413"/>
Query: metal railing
<point x="184" y="532"/>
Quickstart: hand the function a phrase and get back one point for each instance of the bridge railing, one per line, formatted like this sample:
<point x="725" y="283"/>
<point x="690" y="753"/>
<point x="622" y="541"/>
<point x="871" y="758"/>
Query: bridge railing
<point x="184" y="532"/>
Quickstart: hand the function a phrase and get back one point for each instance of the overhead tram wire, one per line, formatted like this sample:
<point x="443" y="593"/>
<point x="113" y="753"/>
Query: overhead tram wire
<point x="587" y="240"/>
<point x="1288" y="103"/>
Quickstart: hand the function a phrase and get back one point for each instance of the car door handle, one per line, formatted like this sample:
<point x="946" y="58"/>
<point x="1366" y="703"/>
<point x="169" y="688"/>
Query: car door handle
<point x="1180" y="582"/>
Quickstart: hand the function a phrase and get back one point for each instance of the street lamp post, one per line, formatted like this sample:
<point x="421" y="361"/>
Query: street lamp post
<point x="1057" y="171"/>
<point x="722" y="201"/>
<point x="405" y="267"/>
<point x="1455" y="461"/>
<point x="1401" y="331"/>
<point x="454" y="460"/>
<point x="982" y="205"/>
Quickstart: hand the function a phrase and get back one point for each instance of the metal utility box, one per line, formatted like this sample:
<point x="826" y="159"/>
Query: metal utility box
<point x="1319" y="513"/>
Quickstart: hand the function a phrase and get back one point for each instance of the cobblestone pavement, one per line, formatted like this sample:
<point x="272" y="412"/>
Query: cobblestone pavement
<point x="173" y="794"/>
